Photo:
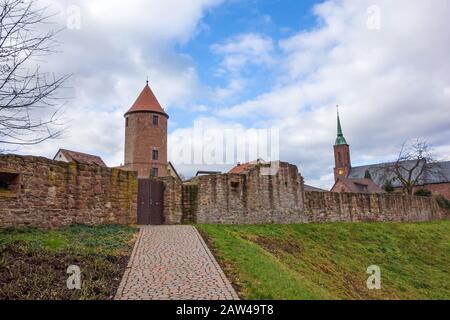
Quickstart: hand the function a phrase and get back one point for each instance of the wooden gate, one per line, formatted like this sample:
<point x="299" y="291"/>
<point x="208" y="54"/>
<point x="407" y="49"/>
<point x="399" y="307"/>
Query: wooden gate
<point x="150" y="202"/>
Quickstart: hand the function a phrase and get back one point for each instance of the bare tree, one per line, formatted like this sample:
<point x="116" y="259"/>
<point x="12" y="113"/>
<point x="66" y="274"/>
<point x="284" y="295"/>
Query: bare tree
<point x="414" y="165"/>
<point x="29" y="112"/>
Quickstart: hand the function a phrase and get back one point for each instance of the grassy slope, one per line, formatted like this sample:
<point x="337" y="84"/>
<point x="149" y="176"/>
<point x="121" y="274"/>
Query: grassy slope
<point x="329" y="261"/>
<point x="33" y="262"/>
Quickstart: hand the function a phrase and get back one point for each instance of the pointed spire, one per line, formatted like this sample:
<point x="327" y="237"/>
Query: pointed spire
<point x="147" y="102"/>
<point x="340" y="140"/>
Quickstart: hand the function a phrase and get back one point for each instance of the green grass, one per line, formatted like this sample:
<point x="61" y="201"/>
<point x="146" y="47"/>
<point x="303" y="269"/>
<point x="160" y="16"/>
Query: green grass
<point x="329" y="261"/>
<point x="33" y="262"/>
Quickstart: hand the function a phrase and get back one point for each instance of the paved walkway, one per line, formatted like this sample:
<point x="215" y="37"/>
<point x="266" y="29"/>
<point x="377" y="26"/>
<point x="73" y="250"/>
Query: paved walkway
<point x="173" y="262"/>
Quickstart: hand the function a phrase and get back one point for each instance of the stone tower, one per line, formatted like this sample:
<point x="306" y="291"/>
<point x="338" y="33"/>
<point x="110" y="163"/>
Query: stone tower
<point x="341" y="154"/>
<point x="146" y="136"/>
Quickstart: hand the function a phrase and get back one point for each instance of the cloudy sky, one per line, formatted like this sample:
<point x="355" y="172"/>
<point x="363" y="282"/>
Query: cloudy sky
<point x="259" y="64"/>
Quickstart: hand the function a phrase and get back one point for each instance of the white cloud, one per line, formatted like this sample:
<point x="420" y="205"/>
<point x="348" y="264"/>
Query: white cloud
<point x="200" y="108"/>
<point x="238" y="53"/>
<point x="118" y="44"/>
<point x="392" y="83"/>
<point x="243" y="49"/>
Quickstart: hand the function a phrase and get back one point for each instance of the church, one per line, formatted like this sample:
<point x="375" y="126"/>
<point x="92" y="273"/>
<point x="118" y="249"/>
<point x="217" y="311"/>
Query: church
<point x="372" y="178"/>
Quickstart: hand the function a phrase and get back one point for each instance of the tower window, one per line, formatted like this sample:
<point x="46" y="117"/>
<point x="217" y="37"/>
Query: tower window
<point x="155" y="120"/>
<point x="154" y="172"/>
<point x="126" y="122"/>
<point x="339" y="158"/>
<point x="155" y="154"/>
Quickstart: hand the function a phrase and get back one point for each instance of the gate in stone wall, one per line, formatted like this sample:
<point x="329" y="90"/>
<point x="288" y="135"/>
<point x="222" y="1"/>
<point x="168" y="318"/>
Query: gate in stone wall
<point x="150" y="202"/>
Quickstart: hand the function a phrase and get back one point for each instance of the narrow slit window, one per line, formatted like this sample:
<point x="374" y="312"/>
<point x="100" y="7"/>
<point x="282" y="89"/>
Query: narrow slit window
<point x="155" y="154"/>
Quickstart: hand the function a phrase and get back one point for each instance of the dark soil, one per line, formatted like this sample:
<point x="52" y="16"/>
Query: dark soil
<point x="41" y="274"/>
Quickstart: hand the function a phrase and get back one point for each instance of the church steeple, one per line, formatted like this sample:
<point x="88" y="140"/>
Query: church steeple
<point x="340" y="140"/>
<point x="341" y="153"/>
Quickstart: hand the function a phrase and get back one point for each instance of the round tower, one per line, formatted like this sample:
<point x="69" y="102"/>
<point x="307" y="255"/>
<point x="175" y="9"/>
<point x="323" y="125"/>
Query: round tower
<point x="146" y="136"/>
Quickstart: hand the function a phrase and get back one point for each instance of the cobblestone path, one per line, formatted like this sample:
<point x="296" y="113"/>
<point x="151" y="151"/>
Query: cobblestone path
<point x="173" y="262"/>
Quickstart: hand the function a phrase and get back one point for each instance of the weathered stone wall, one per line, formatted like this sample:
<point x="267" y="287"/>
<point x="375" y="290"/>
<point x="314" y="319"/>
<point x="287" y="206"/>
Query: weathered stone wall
<point x="250" y="198"/>
<point x="53" y="193"/>
<point x="173" y="191"/>
<point x="254" y="198"/>
<point x="356" y="207"/>
<point x="46" y="193"/>
<point x="189" y="203"/>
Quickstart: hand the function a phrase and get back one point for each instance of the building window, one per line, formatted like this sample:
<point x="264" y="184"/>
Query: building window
<point x="155" y="154"/>
<point x="155" y="120"/>
<point x="154" y="172"/>
<point x="339" y="158"/>
<point x="126" y="122"/>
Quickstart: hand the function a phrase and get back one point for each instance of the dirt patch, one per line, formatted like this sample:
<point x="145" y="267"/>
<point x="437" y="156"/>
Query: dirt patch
<point x="278" y="246"/>
<point x="40" y="274"/>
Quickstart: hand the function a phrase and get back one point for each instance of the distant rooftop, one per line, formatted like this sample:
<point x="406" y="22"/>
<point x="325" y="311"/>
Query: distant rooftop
<point x="205" y="173"/>
<point x="438" y="173"/>
<point x="361" y="185"/>
<point x="311" y="188"/>
<point x="241" y="168"/>
<point x="78" y="157"/>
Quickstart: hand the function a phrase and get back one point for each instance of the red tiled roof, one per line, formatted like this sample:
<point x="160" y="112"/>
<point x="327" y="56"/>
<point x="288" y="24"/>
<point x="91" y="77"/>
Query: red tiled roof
<point x="146" y="102"/>
<point x="361" y="185"/>
<point x="79" y="157"/>
<point x="240" y="168"/>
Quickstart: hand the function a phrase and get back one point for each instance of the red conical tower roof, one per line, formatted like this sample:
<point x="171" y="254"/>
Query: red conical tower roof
<point x="147" y="102"/>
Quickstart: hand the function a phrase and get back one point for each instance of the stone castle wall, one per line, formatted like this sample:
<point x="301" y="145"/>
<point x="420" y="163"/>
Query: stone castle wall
<point x="40" y="192"/>
<point x="236" y="198"/>
<point x="47" y="193"/>
<point x="253" y="198"/>
<point x="173" y="191"/>
<point x="356" y="207"/>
